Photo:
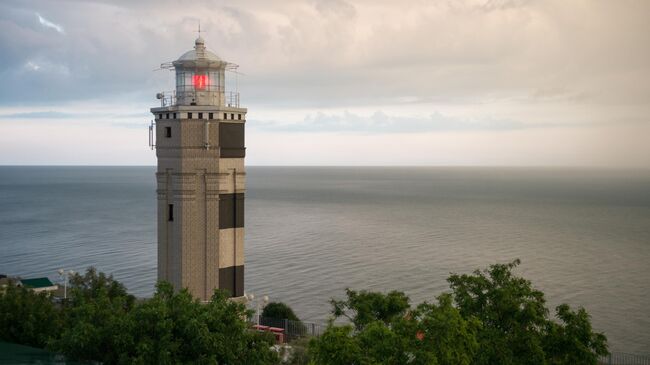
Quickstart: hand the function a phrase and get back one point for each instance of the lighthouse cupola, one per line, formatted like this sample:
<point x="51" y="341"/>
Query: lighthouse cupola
<point x="200" y="76"/>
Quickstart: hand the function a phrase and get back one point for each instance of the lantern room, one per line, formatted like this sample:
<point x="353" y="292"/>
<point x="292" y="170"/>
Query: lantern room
<point x="200" y="79"/>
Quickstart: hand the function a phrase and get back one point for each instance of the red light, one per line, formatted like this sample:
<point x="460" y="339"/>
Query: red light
<point x="200" y="81"/>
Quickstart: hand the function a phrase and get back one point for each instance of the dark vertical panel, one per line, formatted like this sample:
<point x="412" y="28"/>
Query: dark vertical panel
<point x="239" y="281"/>
<point x="231" y="210"/>
<point x="233" y="152"/>
<point x="226" y="211"/>
<point x="231" y="140"/>
<point x="227" y="279"/>
<point x="239" y="210"/>
<point x="231" y="279"/>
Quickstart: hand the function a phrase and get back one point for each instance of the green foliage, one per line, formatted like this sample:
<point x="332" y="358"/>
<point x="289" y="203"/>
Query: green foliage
<point x="363" y="307"/>
<point x="490" y="317"/>
<point x="102" y="322"/>
<point x="27" y="317"/>
<point x="297" y="353"/>
<point x="279" y="310"/>
<point x="93" y="285"/>
<point x="513" y="314"/>
<point x="449" y="336"/>
<point x="516" y="326"/>
<point x="337" y="346"/>
<point x="174" y="328"/>
<point x="171" y="328"/>
<point x="95" y="317"/>
<point x="572" y="341"/>
<point x="386" y="332"/>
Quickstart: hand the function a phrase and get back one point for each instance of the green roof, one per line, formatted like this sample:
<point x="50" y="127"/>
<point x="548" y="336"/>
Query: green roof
<point x="36" y="283"/>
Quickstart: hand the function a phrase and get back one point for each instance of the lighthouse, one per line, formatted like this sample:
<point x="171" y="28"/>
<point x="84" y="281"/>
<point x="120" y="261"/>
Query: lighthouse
<point x="198" y="135"/>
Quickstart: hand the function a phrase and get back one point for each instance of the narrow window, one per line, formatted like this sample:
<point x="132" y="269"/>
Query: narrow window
<point x="200" y="115"/>
<point x="174" y="115"/>
<point x="232" y="116"/>
<point x="170" y="213"/>
<point x="160" y="116"/>
<point x="167" y="116"/>
<point x="239" y="116"/>
<point x="168" y="132"/>
<point x="225" y="116"/>
<point x="189" y="115"/>
<point x="211" y="115"/>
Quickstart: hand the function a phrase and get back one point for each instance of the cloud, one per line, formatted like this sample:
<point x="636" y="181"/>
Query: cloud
<point x="98" y="113"/>
<point x="48" y="24"/>
<point x="40" y="115"/>
<point x="32" y="66"/>
<point x="332" y="53"/>
<point x="475" y="66"/>
<point x="382" y="123"/>
<point x="46" y="67"/>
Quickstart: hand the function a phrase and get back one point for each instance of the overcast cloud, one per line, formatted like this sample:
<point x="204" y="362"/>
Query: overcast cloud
<point x="535" y="82"/>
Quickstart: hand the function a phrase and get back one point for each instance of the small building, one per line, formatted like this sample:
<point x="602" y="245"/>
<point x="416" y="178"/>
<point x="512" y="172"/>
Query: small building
<point x="38" y="284"/>
<point x="4" y="281"/>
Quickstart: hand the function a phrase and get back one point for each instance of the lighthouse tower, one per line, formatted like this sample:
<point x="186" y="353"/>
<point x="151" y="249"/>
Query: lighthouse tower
<point x="198" y="135"/>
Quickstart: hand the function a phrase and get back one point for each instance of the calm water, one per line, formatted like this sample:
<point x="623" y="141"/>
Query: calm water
<point x="583" y="235"/>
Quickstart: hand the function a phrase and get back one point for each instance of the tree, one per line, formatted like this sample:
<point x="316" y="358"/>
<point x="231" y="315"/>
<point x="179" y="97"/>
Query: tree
<point x="27" y="317"/>
<point x="445" y="333"/>
<point x="175" y="328"/>
<point x="105" y="324"/>
<point x="490" y="317"/>
<point x="364" y="307"/>
<point x="516" y="328"/>
<point x="387" y="331"/>
<point x="279" y="310"/>
<point x="573" y="341"/>
<point x="92" y="285"/>
<point x="513" y="314"/>
<point x="337" y="346"/>
<point x="96" y="319"/>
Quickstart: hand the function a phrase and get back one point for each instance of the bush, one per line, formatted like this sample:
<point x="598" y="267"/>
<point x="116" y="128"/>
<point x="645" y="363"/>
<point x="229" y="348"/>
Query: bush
<point x="279" y="310"/>
<point x="102" y="322"/>
<point x="26" y="317"/>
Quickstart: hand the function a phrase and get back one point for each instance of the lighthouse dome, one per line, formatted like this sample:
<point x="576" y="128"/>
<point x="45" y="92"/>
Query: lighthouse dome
<point x="198" y="54"/>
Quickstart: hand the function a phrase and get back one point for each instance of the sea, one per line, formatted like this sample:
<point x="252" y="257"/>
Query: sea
<point x="582" y="234"/>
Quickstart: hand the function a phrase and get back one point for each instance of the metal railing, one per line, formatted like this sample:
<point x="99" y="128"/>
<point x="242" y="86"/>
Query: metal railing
<point x="622" y="358"/>
<point x="168" y="98"/>
<point x="232" y="99"/>
<point x="292" y="329"/>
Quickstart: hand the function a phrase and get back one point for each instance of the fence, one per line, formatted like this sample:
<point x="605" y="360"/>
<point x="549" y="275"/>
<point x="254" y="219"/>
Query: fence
<point x="292" y="329"/>
<point x="621" y="358"/>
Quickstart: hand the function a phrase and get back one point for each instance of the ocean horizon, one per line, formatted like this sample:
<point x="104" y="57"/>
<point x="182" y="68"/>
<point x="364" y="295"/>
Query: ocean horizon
<point x="582" y="233"/>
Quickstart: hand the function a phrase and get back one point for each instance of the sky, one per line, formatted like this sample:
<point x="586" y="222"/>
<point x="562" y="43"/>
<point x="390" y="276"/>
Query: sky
<point x="448" y="82"/>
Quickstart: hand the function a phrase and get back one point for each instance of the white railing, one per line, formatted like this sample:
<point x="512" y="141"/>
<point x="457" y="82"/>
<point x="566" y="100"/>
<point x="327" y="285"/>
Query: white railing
<point x="168" y="98"/>
<point x="232" y="99"/>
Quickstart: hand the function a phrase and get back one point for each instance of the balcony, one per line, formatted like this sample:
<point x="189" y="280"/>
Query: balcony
<point x="223" y="98"/>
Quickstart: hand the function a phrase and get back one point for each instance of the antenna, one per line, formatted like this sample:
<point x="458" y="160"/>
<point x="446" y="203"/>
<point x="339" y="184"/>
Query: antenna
<point x="199" y="29"/>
